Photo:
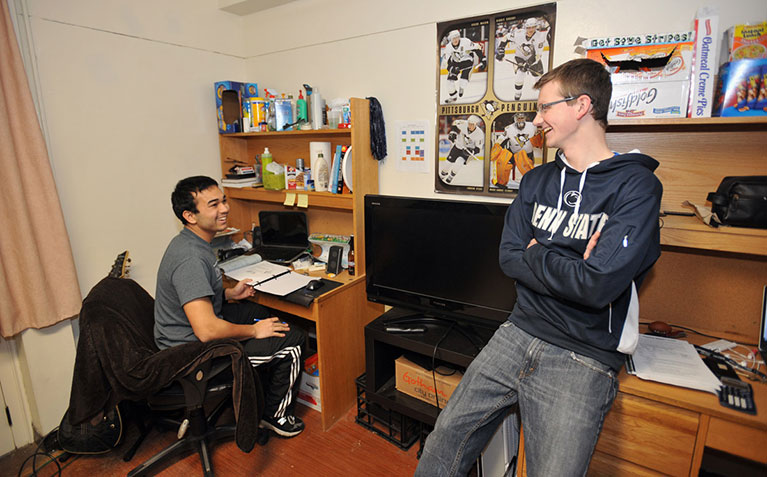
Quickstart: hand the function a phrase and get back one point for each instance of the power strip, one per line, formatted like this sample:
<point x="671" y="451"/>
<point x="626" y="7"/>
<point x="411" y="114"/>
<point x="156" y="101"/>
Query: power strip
<point x="720" y="345"/>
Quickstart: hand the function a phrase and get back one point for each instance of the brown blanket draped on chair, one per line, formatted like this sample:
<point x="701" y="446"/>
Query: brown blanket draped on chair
<point x="117" y="358"/>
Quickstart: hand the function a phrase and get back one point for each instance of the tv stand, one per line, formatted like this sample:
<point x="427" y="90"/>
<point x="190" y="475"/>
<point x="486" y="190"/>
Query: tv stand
<point x="447" y="323"/>
<point x="455" y="349"/>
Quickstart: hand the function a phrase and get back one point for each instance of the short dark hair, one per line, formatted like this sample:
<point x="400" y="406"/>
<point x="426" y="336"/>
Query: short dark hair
<point x="182" y="197"/>
<point x="583" y="76"/>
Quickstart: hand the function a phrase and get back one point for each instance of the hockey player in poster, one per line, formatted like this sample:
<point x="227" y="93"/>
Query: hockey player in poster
<point x="517" y="139"/>
<point x="468" y="140"/>
<point x="460" y="55"/>
<point x="528" y="43"/>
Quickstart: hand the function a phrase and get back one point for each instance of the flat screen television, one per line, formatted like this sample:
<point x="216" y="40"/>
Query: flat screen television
<point x="437" y="257"/>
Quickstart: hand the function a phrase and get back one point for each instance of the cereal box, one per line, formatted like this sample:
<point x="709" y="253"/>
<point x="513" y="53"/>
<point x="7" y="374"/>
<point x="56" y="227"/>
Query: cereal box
<point x="650" y="73"/>
<point x="232" y="105"/>
<point x="745" y="41"/>
<point x="742" y="89"/>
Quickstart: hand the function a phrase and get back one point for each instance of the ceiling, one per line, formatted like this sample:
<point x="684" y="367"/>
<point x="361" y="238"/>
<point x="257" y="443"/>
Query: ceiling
<point x="246" y="7"/>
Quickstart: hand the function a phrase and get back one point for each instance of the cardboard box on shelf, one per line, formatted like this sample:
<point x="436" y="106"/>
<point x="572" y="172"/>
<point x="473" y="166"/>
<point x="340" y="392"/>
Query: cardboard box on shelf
<point x="232" y="105"/>
<point x="418" y="382"/>
<point x="704" y="66"/>
<point x="641" y="90"/>
<point x="742" y="89"/>
<point x="742" y="42"/>
<point x="309" y="391"/>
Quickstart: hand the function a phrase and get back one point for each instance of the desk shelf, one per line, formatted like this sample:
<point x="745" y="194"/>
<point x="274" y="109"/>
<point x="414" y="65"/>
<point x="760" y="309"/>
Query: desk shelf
<point x="316" y="199"/>
<point x="690" y="232"/>
<point x="694" y="156"/>
<point x="340" y="314"/>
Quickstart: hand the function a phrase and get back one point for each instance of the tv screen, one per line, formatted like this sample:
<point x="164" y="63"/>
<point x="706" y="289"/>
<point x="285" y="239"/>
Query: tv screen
<point x="437" y="257"/>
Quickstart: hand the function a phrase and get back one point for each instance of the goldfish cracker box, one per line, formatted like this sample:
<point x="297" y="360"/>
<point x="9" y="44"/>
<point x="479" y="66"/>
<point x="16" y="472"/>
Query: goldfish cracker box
<point x="742" y="89"/>
<point x="418" y="382"/>
<point x="650" y="73"/>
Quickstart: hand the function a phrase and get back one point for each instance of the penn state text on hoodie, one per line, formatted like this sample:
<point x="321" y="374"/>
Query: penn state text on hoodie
<point x="587" y="306"/>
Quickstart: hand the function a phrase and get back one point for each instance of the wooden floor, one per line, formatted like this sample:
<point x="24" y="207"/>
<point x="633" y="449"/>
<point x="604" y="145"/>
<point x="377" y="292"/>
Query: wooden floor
<point x="347" y="449"/>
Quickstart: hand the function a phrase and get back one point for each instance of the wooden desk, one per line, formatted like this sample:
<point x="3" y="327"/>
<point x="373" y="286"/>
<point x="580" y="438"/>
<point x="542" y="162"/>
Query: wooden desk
<point x="339" y="316"/>
<point x="659" y="429"/>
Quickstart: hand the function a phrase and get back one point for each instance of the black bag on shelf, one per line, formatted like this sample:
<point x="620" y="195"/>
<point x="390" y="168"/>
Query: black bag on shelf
<point x="740" y="201"/>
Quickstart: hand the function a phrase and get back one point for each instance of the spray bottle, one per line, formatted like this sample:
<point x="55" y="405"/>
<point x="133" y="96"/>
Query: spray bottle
<point x="301" y="108"/>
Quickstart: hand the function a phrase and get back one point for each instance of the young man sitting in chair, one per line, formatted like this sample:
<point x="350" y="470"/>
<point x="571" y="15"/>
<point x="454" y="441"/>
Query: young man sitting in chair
<point x="191" y="303"/>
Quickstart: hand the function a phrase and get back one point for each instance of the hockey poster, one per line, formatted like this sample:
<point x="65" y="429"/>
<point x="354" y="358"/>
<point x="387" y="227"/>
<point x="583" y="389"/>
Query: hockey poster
<point x="488" y="66"/>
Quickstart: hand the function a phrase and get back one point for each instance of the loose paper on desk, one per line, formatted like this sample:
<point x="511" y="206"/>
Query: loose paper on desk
<point x="672" y="361"/>
<point x="270" y="278"/>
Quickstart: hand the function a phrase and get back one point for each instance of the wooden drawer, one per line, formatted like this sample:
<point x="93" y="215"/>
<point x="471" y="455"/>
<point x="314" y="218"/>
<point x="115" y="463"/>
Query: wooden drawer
<point x="649" y="434"/>
<point x="737" y="439"/>
<point x="603" y="465"/>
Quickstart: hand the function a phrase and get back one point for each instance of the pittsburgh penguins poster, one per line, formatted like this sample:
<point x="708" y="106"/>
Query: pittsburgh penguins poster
<point x="488" y="66"/>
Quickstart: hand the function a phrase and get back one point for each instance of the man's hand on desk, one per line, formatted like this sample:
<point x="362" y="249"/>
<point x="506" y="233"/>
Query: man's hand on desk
<point x="243" y="289"/>
<point x="270" y="327"/>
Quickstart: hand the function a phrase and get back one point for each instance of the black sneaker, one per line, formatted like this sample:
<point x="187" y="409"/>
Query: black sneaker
<point x="286" y="426"/>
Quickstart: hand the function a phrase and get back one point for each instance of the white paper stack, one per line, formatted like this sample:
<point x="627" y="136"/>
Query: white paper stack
<point x="672" y="361"/>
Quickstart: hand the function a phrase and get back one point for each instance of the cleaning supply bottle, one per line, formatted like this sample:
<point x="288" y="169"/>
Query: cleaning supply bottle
<point x="301" y="108"/>
<point x="266" y="158"/>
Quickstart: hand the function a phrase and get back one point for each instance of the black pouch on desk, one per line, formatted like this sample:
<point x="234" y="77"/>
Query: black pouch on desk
<point x="740" y="201"/>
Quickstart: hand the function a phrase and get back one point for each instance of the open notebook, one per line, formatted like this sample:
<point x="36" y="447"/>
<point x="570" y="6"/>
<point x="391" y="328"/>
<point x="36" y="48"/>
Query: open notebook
<point x="265" y="276"/>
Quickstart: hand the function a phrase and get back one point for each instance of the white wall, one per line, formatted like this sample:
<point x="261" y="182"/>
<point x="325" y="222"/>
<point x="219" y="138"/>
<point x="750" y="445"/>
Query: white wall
<point x="127" y="92"/>
<point x="389" y="49"/>
<point x="126" y="88"/>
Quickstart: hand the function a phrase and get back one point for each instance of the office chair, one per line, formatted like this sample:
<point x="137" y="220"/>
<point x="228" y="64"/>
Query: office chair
<point x="188" y="386"/>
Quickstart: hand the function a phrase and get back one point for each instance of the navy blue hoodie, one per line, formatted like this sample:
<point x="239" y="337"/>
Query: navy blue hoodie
<point x="587" y="306"/>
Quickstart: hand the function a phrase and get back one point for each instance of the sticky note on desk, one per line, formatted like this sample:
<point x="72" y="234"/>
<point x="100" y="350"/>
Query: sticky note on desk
<point x="290" y="198"/>
<point x="303" y="200"/>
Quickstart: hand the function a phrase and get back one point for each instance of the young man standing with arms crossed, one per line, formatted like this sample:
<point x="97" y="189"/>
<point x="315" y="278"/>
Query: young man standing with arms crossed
<point x="579" y="239"/>
<point x="191" y="303"/>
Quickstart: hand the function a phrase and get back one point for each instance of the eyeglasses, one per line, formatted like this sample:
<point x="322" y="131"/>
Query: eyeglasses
<point x="542" y="108"/>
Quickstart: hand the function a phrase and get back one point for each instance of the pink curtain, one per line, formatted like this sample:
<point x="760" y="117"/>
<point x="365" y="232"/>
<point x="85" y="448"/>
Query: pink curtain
<point x="38" y="281"/>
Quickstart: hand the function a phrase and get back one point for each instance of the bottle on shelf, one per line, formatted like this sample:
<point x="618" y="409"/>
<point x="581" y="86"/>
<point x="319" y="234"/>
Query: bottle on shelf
<point x="301" y="109"/>
<point x="266" y="158"/>
<point x="272" y="114"/>
<point x="318" y="110"/>
<point x="321" y="173"/>
<point x="351" y="268"/>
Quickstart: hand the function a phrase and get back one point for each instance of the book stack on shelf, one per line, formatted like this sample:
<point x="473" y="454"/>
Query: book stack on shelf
<point x="240" y="183"/>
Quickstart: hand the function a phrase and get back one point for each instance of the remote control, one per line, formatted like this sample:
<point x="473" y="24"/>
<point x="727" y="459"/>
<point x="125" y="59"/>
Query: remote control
<point x="405" y="329"/>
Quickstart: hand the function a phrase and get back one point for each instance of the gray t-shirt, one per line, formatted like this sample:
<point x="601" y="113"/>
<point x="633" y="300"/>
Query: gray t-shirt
<point x="187" y="272"/>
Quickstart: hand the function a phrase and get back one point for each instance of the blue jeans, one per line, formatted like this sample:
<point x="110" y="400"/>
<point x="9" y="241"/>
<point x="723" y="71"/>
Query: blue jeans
<point x="562" y="396"/>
